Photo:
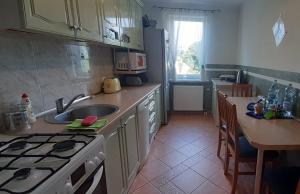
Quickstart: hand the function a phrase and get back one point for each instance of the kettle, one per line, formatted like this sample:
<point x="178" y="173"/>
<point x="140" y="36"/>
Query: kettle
<point x="111" y="85"/>
<point x="240" y="78"/>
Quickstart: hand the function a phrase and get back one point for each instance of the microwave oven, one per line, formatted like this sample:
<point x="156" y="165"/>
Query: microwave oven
<point x="130" y="61"/>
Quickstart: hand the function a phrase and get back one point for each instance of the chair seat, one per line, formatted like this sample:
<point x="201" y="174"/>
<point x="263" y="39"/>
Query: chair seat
<point x="282" y="180"/>
<point x="248" y="151"/>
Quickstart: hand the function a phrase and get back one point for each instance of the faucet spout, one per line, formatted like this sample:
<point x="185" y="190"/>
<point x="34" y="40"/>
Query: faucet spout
<point x="60" y="108"/>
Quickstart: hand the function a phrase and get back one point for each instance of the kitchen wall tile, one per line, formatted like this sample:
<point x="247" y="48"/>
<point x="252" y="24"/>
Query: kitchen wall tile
<point x="47" y="68"/>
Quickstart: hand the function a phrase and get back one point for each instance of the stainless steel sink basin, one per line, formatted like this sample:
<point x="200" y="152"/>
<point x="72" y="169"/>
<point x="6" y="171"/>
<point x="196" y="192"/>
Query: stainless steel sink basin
<point x="81" y="112"/>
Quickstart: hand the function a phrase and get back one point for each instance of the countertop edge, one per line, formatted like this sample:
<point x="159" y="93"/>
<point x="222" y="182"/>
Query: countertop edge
<point x="112" y="119"/>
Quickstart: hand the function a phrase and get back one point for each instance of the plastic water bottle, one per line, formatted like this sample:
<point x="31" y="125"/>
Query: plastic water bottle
<point x="273" y="94"/>
<point x="289" y="99"/>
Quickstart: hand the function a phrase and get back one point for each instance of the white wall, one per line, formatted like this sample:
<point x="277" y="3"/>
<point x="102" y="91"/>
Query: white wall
<point x="223" y="31"/>
<point x="257" y="42"/>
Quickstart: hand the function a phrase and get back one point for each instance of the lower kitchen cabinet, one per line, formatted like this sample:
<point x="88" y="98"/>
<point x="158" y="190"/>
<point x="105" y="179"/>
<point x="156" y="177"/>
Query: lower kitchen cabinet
<point x="158" y="108"/>
<point x="131" y="146"/>
<point x="114" y="165"/>
<point x="122" y="160"/>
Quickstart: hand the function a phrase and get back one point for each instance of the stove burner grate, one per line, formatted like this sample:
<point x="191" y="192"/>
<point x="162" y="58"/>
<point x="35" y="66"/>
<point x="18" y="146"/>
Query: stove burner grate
<point x="22" y="173"/>
<point x="19" y="145"/>
<point x="64" y="145"/>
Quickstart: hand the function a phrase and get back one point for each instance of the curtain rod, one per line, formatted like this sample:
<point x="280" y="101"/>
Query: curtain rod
<point x="173" y="8"/>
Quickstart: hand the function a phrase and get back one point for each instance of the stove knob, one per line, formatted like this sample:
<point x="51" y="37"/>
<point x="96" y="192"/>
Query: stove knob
<point x="101" y="156"/>
<point x="91" y="165"/>
<point x="96" y="160"/>
<point x="68" y="188"/>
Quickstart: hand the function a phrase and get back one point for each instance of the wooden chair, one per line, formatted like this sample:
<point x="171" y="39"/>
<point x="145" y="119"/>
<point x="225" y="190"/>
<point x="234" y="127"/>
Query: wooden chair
<point x="222" y="119"/>
<point x="241" y="90"/>
<point x="238" y="147"/>
<point x="298" y="188"/>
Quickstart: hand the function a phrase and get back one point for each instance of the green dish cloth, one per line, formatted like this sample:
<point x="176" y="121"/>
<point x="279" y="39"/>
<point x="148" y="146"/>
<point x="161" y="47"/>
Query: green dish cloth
<point x="76" y="125"/>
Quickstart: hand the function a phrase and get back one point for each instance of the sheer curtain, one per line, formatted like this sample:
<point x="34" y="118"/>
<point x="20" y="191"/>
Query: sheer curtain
<point x="171" y="24"/>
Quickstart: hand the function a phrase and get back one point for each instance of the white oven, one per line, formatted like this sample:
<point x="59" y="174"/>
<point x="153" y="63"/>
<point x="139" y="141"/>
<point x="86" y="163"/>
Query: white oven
<point x="53" y="164"/>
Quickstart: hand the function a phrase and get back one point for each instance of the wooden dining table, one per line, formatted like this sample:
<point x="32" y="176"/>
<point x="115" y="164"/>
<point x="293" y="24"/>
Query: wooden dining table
<point x="276" y="134"/>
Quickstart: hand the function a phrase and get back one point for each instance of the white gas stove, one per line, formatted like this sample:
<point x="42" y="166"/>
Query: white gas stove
<point x="52" y="164"/>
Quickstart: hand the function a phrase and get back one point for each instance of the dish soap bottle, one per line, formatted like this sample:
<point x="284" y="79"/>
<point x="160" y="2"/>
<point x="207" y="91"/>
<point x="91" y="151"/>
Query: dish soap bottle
<point x="26" y="104"/>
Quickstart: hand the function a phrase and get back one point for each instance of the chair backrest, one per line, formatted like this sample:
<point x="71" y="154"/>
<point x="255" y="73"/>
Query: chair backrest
<point x="231" y="119"/>
<point x="298" y="188"/>
<point x="222" y="108"/>
<point x="242" y="90"/>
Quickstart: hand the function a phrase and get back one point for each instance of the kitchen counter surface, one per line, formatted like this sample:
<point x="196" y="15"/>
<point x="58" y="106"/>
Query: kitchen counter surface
<point x="126" y="99"/>
<point x="221" y="82"/>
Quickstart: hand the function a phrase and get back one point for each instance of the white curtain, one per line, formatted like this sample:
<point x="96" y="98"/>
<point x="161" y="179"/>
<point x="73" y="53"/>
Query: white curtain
<point x="170" y="16"/>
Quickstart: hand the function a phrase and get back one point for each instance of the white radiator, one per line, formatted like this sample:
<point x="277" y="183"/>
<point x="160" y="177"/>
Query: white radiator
<point x="188" y="98"/>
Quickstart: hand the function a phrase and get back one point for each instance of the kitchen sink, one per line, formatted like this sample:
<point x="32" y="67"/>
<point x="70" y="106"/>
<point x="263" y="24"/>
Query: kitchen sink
<point x="81" y="112"/>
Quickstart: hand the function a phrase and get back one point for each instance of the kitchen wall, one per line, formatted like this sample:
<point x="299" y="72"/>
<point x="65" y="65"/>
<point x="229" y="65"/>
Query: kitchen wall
<point x="257" y="43"/>
<point x="259" y="55"/>
<point x="48" y="68"/>
<point x="222" y="30"/>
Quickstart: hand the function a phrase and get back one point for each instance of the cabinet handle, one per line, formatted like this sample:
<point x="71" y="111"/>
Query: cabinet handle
<point x="74" y="27"/>
<point x="112" y="134"/>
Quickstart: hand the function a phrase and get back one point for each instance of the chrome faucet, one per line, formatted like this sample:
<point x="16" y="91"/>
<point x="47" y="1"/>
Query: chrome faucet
<point x="60" y="108"/>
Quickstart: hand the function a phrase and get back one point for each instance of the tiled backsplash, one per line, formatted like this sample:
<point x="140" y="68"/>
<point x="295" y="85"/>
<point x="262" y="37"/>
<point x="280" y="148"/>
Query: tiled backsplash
<point x="48" y="68"/>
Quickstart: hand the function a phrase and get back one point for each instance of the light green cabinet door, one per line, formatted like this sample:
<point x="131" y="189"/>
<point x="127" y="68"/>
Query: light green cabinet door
<point x="114" y="165"/>
<point x="158" y="108"/>
<point x="131" y="146"/>
<point x="110" y="22"/>
<point x="53" y="16"/>
<point x="125" y="21"/>
<point x="139" y="26"/>
<point x="88" y="18"/>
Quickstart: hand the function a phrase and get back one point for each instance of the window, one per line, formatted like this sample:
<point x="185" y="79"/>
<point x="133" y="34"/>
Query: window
<point x="190" y="50"/>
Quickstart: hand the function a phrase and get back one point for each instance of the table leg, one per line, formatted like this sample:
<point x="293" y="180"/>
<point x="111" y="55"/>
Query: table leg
<point x="259" y="169"/>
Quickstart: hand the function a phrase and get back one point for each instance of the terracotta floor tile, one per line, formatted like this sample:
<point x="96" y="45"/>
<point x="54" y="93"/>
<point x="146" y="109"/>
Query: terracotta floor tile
<point x="154" y="169"/>
<point x="221" y="180"/>
<point x="160" y="149"/>
<point x="170" y="188"/>
<point x="201" y="143"/>
<point x="205" y="168"/>
<point x="193" y="160"/>
<point x="188" y="142"/>
<point x="138" y="182"/>
<point x="189" y="150"/>
<point x="173" y="159"/>
<point x="216" y="160"/>
<point x="147" y="189"/>
<point x="204" y="153"/>
<point x="175" y="143"/>
<point x="167" y="176"/>
<point x="209" y="188"/>
<point x="188" y="181"/>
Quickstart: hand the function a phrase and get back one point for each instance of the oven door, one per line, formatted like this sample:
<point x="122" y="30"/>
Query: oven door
<point x="95" y="183"/>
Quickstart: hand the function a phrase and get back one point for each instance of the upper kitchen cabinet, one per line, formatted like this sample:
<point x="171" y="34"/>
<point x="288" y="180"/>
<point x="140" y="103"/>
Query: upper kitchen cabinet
<point x="88" y="18"/>
<point x="111" y="22"/>
<point x="73" y="18"/>
<point x="125" y="21"/>
<point x="39" y="15"/>
<point x="136" y="20"/>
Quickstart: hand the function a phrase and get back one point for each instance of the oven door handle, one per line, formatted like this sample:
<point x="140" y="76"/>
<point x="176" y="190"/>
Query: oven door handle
<point x="96" y="181"/>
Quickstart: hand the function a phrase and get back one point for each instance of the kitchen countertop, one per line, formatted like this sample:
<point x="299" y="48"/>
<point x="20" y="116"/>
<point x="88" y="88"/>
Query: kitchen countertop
<point x="126" y="99"/>
<point x="221" y="82"/>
